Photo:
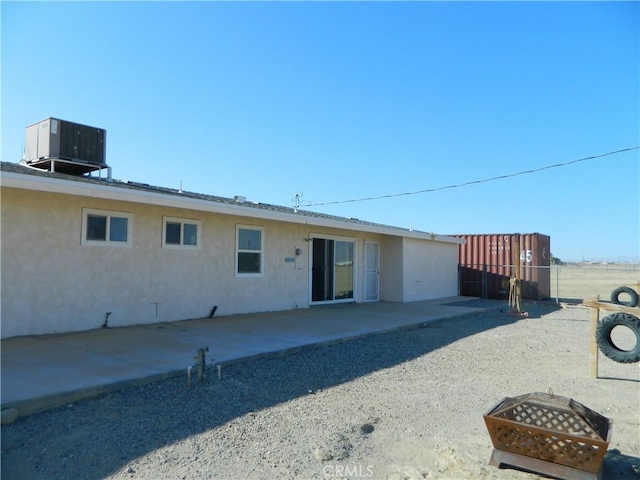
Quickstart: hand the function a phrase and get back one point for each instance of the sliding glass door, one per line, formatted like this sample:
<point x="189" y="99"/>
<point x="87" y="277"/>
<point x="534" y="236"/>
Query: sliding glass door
<point x="332" y="272"/>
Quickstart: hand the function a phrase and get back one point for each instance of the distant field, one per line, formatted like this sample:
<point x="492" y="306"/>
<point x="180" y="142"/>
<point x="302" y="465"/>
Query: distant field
<point x="575" y="283"/>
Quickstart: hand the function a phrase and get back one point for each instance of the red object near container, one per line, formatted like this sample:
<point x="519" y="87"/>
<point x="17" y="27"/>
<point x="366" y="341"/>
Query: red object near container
<point x="486" y="263"/>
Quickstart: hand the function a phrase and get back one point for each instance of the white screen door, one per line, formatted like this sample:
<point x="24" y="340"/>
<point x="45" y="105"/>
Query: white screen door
<point x="371" y="271"/>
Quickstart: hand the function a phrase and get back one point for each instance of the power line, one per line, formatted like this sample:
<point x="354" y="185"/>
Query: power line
<point x="477" y="181"/>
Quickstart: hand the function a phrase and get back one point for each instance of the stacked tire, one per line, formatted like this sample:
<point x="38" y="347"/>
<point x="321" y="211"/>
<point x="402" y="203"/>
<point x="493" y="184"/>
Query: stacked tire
<point x="633" y="296"/>
<point x="606" y="326"/>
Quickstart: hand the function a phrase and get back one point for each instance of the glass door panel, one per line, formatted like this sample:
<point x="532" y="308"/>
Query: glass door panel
<point x="332" y="270"/>
<point x="343" y="270"/>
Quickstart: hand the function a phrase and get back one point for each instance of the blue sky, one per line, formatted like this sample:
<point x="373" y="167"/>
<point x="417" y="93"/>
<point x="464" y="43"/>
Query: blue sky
<point x="346" y="101"/>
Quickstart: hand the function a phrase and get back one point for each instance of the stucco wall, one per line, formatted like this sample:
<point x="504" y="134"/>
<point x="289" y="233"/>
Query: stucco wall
<point x="51" y="283"/>
<point x="391" y="269"/>
<point x="430" y="270"/>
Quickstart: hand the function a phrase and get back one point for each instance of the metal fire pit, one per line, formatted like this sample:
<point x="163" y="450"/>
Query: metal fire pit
<point x="549" y="434"/>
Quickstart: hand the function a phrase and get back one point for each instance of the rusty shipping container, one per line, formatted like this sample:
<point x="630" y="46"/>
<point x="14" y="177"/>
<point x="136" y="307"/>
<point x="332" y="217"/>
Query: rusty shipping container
<point x="486" y="263"/>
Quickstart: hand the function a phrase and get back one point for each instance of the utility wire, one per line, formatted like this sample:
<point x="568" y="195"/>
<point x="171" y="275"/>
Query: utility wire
<point x="477" y="181"/>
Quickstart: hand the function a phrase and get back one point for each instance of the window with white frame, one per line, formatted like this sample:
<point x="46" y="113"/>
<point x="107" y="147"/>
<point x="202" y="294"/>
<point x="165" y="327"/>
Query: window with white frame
<point x="181" y="233"/>
<point x="107" y="228"/>
<point x="249" y="251"/>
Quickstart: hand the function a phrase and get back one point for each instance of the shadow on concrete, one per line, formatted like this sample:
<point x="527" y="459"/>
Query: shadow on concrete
<point x="138" y="420"/>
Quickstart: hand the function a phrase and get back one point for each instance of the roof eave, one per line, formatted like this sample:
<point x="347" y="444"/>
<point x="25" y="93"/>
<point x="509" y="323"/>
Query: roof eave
<point x="112" y="191"/>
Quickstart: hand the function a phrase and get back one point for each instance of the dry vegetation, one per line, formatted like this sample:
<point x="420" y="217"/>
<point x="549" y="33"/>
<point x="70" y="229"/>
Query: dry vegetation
<point x="577" y="282"/>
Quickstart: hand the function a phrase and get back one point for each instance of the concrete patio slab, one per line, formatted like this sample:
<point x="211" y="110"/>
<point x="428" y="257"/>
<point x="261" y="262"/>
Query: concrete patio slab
<point x="42" y="372"/>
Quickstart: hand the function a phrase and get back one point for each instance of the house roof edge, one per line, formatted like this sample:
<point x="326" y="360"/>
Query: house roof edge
<point x="19" y="176"/>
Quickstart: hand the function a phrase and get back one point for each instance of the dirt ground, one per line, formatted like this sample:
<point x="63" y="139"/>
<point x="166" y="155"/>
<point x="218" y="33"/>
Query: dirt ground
<point x="573" y="283"/>
<point x="400" y="406"/>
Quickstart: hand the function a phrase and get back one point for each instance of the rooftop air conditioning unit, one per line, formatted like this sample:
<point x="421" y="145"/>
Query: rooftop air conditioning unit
<point x="80" y="148"/>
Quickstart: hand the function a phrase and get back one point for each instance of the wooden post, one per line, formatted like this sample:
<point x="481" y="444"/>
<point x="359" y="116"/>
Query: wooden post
<point x="515" y="292"/>
<point x="518" y="277"/>
<point x="593" y="345"/>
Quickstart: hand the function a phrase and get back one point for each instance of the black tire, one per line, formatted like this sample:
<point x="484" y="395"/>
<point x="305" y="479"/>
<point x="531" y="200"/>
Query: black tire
<point x="633" y="301"/>
<point x="605" y="343"/>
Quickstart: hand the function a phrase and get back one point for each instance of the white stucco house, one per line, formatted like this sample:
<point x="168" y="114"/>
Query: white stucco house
<point x="78" y="250"/>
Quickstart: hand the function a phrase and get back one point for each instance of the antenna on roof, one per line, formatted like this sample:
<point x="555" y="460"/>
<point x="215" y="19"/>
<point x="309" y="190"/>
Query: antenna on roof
<point x="296" y="202"/>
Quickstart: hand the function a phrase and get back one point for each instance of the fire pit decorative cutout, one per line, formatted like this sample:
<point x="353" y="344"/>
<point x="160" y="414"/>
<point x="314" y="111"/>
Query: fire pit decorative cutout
<point x="549" y="434"/>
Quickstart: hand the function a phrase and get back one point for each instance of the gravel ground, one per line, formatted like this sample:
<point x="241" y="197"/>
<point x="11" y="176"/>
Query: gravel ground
<point x="404" y="405"/>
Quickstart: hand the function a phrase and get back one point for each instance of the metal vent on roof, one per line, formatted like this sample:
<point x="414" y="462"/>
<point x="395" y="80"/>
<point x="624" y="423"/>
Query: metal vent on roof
<point x="80" y="142"/>
<point x="65" y="147"/>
